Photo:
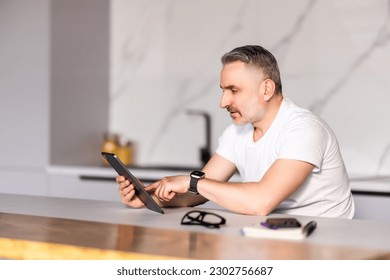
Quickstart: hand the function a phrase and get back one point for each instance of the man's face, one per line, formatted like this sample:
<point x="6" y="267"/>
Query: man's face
<point x="242" y="89"/>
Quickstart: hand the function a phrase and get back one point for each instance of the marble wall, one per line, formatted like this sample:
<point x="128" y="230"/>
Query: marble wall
<point x="334" y="58"/>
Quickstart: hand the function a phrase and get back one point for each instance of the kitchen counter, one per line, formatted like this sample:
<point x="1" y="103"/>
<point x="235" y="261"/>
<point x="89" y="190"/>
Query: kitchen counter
<point x="359" y="184"/>
<point x="144" y="173"/>
<point x="141" y="233"/>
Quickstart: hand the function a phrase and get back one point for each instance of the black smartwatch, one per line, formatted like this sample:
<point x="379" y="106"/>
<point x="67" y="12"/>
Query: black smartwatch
<point x="195" y="177"/>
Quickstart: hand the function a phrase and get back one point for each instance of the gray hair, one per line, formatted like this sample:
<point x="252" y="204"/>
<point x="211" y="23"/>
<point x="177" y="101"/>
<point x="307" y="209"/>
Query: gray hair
<point x="256" y="56"/>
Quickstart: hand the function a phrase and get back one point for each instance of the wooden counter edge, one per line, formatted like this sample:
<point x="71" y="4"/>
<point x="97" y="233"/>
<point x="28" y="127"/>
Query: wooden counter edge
<point x="33" y="250"/>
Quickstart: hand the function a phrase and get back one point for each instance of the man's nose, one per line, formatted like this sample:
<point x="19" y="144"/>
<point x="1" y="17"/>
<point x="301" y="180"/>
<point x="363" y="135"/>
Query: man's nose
<point x="224" y="102"/>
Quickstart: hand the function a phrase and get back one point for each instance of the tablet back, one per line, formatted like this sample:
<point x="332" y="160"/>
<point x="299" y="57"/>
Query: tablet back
<point x="143" y="195"/>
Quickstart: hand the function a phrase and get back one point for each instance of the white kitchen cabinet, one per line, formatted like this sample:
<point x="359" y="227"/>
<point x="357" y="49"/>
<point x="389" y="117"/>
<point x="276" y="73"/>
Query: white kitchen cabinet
<point x="372" y="198"/>
<point x="17" y="181"/>
<point x="95" y="183"/>
<point x="72" y="186"/>
<point x="372" y="207"/>
<point x="67" y="182"/>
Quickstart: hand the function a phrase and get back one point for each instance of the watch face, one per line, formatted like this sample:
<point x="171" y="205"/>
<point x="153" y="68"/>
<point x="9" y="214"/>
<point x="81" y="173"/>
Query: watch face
<point x="197" y="174"/>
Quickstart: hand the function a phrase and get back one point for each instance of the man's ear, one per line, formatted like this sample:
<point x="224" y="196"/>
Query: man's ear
<point x="269" y="89"/>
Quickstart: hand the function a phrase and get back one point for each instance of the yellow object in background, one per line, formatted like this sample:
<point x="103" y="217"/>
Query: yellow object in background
<point x="112" y="145"/>
<point x="126" y="153"/>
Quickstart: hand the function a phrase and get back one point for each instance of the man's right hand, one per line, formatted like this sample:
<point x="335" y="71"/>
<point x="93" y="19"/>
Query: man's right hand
<point x="127" y="193"/>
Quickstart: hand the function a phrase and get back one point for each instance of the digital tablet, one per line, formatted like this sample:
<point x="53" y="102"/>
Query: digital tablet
<point x="143" y="195"/>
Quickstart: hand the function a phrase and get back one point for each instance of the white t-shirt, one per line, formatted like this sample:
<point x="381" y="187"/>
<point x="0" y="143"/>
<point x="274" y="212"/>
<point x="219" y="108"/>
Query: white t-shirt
<point x="297" y="134"/>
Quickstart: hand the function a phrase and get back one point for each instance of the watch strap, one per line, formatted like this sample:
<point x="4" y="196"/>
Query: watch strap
<point x="194" y="185"/>
<point x="195" y="177"/>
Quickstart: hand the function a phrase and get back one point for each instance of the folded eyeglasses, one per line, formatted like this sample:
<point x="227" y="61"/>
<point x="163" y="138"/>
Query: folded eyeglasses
<point x="203" y="218"/>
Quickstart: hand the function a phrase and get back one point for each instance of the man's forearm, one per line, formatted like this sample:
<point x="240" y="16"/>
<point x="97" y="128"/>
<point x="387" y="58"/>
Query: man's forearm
<point x="183" y="200"/>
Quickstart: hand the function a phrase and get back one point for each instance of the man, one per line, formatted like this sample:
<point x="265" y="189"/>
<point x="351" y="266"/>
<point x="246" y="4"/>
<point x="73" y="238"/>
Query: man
<point x="288" y="158"/>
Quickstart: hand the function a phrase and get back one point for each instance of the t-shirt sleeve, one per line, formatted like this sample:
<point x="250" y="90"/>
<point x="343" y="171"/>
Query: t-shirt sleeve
<point x="306" y="141"/>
